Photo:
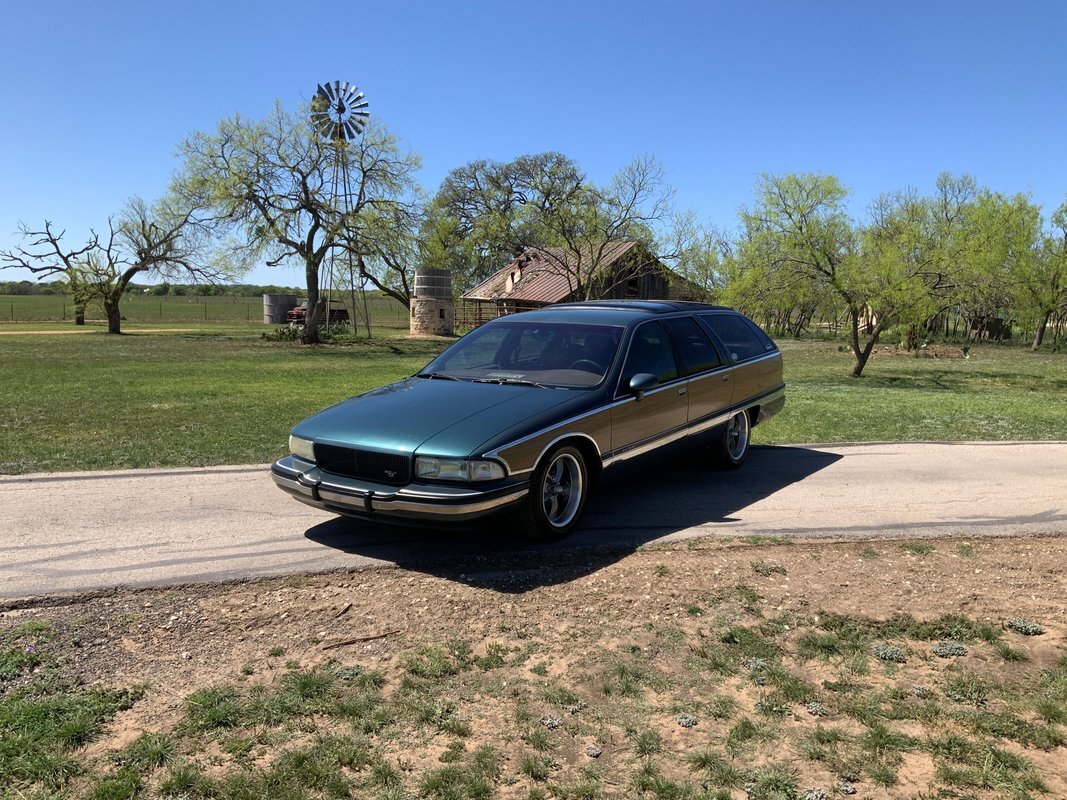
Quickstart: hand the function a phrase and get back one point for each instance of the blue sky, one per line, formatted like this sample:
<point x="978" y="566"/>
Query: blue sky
<point x="95" y="96"/>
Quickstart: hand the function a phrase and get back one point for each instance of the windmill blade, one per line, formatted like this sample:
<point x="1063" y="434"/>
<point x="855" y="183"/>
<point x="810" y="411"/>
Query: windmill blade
<point x="344" y="88"/>
<point x="361" y="113"/>
<point x="353" y="131"/>
<point x="364" y="104"/>
<point x="327" y="90"/>
<point x="353" y="95"/>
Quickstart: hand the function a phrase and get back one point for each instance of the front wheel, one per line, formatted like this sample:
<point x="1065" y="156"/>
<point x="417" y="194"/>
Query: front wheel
<point x="732" y="447"/>
<point x="557" y="494"/>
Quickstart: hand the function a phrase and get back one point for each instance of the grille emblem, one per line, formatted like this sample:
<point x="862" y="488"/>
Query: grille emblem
<point x="390" y="473"/>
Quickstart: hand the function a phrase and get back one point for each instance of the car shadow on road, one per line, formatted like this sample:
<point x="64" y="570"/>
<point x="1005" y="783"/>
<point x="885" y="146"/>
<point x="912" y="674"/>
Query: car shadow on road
<point x="620" y="517"/>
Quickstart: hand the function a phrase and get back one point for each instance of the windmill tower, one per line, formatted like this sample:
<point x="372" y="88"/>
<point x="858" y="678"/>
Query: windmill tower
<point x="339" y="114"/>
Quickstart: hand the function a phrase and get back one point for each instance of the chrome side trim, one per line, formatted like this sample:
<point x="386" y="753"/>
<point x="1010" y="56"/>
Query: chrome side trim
<point x="571" y="435"/>
<point x="698" y="427"/>
<point x="647" y="446"/>
<point x="495" y="453"/>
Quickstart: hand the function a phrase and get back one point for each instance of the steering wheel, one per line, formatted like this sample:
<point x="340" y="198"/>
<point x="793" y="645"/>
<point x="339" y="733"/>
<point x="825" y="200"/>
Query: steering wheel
<point x="587" y="365"/>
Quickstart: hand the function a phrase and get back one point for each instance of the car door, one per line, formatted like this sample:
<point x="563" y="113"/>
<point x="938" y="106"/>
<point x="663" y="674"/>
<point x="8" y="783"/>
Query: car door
<point x="654" y="425"/>
<point x="709" y="372"/>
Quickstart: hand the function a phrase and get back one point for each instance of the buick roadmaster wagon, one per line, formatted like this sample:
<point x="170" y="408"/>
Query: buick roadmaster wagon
<point x="528" y="412"/>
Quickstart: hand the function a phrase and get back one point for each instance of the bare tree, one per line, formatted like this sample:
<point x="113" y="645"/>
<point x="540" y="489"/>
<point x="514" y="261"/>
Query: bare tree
<point x="161" y="240"/>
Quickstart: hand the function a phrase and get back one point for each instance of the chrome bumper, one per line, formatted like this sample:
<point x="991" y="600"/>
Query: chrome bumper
<point x="342" y="495"/>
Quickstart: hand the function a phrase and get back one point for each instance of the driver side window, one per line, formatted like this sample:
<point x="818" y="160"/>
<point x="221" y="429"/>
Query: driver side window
<point x="649" y="352"/>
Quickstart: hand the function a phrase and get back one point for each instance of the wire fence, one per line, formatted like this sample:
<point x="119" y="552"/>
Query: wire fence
<point x="384" y="311"/>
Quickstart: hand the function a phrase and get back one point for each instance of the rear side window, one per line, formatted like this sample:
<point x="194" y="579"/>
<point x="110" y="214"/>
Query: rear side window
<point x="768" y="345"/>
<point x="698" y="352"/>
<point x="734" y="332"/>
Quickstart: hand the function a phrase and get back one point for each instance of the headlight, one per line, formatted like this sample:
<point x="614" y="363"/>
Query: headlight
<point x="457" y="469"/>
<point x="302" y="448"/>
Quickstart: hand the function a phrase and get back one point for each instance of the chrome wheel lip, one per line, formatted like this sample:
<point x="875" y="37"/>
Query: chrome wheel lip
<point x="561" y="490"/>
<point x="737" y="430"/>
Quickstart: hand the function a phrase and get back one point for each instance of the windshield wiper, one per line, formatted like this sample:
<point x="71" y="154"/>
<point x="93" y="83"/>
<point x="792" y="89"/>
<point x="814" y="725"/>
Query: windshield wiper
<point x="513" y="382"/>
<point x="440" y="375"/>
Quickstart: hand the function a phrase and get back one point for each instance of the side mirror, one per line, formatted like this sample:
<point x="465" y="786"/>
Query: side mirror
<point x="641" y="383"/>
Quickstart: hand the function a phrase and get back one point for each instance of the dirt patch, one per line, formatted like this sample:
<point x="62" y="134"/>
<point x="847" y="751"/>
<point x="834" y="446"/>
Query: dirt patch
<point x="627" y="650"/>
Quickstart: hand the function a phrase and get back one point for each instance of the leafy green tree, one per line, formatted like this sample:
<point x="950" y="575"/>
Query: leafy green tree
<point x="271" y="182"/>
<point x="1040" y="281"/>
<point x="487" y="213"/>
<point x="799" y="238"/>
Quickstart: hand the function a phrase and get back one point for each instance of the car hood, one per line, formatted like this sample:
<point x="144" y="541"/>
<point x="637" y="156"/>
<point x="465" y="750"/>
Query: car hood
<point x="431" y="416"/>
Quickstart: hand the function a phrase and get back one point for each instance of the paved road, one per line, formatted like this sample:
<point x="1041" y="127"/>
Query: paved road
<point x="62" y="533"/>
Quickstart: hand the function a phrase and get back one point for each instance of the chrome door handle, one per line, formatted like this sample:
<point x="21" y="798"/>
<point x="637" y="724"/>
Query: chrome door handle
<point x="681" y="390"/>
<point x="725" y="378"/>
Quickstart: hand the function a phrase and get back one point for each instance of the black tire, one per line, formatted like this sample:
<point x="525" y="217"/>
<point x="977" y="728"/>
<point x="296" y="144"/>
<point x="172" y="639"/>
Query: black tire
<point x="734" y="442"/>
<point x="558" y="491"/>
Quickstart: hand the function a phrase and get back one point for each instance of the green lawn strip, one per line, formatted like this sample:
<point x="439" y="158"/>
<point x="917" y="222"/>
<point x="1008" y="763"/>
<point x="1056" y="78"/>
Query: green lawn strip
<point x="223" y="395"/>
<point x="88" y="402"/>
<point x="999" y="393"/>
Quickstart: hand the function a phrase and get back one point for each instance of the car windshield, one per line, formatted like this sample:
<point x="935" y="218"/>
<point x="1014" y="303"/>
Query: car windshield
<point x="553" y="354"/>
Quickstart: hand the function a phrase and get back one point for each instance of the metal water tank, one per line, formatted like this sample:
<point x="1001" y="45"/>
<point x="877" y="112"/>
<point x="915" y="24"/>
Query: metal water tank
<point x="435" y="283"/>
<point x="276" y="306"/>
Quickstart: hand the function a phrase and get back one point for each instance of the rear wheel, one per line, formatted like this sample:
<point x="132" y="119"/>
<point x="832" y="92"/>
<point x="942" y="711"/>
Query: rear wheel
<point x="557" y="493"/>
<point x="732" y="447"/>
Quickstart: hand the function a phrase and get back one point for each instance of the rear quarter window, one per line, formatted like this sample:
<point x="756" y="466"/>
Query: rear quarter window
<point x="738" y="335"/>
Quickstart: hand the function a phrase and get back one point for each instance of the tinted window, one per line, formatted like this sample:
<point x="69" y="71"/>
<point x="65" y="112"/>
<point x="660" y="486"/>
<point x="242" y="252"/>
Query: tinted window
<point x="477" y="350"/>
<point x="735" y="333"/>
<point x="698" y="353"/>
<point x="556" y="354"/>
<point x="650" y="352"/>
<point x="767" y="343"/>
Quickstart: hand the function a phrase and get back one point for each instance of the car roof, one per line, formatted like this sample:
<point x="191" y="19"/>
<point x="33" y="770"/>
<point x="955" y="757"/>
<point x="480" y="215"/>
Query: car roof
<point x="617" y="312"/>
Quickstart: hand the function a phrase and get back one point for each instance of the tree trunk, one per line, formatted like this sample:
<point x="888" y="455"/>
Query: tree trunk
<point x="862" y="353"/>
<point x="79" y="313"/>
<point x="114" y="318"/>
<point x="310" y="334"/>
<point x="1040" y="335"/>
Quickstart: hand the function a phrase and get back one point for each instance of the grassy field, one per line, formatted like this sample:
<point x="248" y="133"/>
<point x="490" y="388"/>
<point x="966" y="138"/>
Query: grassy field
<point x="999" y="393"/>
<point x="15" y="309"/>
<point x="224" y="395"/>
<point x="143" y="400"/>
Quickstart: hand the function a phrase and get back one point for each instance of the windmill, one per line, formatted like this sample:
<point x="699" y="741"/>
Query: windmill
<point x="339" y="114"/>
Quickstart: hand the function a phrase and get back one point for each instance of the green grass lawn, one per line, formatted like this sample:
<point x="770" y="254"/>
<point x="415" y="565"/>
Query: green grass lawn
<point x="223" y="395"/>
<point x="144" y="400"/>
<point x="1000" y="393"/>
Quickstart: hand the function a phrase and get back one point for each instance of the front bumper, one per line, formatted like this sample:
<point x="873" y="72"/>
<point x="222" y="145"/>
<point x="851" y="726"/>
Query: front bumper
<point x="417" y="501"/>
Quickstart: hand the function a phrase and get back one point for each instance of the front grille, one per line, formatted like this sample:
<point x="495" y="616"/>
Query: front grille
<point x="366" y="464"/>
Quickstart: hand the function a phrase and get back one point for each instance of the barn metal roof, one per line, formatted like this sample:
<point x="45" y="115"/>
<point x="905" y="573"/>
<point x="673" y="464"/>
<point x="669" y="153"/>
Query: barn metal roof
<point x="543" y="275"/>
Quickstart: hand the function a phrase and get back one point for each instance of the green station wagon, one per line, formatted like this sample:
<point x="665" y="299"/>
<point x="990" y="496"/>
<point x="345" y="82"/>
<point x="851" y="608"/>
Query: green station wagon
<point x="531" y="410"/>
